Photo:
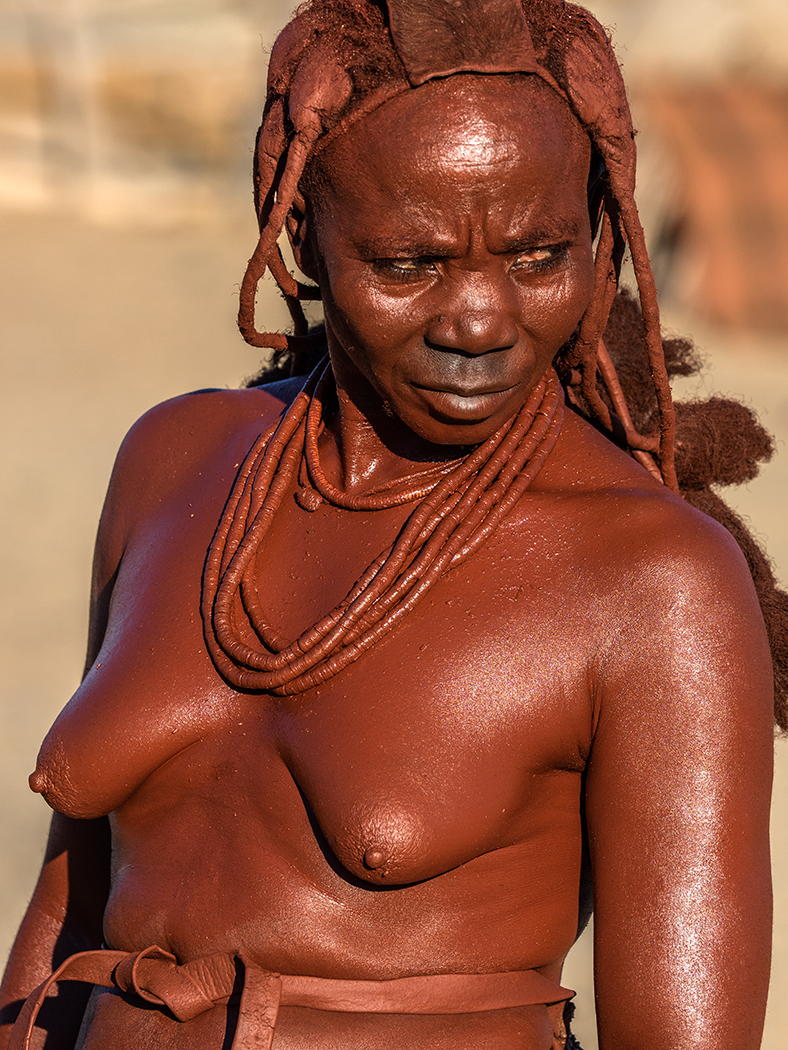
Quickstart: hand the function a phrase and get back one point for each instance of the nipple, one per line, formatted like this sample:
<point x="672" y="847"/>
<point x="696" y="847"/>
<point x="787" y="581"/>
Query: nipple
<point x="375" y="858"/>
<point x="37" y="782"/>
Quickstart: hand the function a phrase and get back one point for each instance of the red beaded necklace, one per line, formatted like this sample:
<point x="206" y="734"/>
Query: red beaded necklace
<point x="457" y="513"/>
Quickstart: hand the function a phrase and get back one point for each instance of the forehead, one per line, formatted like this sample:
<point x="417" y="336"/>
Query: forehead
<point x="471" y="129"/>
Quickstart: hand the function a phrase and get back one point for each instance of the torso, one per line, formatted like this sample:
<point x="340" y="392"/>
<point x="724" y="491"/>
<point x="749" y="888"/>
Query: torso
<point x="455" y="747"/>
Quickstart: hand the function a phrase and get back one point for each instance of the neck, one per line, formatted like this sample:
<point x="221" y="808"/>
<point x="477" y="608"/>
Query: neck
<point x="365" y="446"/>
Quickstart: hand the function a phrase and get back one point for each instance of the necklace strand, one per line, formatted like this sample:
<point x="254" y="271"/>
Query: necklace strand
<point x="457" y="513"/>
<point x="397" y="492"/>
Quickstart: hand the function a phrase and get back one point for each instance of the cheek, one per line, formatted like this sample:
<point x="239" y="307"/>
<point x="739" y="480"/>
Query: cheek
<point x="362" y="315"/>
<point x="362" y="326"/>
<point x="565" y="303"/>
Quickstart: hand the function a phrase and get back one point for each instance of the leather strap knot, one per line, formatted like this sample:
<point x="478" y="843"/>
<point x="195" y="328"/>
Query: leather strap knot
<point x="185" y="990"/>
<point x="155" y="976"/>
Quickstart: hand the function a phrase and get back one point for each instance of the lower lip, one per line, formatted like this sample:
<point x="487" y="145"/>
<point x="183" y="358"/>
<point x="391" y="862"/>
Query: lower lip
<point x="464" y="408"/>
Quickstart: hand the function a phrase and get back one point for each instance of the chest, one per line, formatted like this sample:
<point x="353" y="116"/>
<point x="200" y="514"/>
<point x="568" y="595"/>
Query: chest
<point x="440" y="740"/>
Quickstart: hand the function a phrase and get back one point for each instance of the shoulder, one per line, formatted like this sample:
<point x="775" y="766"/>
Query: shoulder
<point x="196" y="420"/>
<point x="623" y="515"/>
<point x="186" y="434"/>
<point x="655" y="568"/>
<point x="676" y="569"/>
<point x="677" y="658"/>
<point x="683" y="645"/>
<point x="200" y="435"/>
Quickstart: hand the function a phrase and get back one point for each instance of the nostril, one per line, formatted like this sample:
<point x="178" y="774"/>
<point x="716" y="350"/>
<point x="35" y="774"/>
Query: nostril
<point x="473" y="336"/>
<point x="478" y="328"/>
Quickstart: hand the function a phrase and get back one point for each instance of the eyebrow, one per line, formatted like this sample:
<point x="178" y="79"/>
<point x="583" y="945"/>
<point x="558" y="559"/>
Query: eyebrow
<point x="388" y="248"/>
<point x="549" y="232"/>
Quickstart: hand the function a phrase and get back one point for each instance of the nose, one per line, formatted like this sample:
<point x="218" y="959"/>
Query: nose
<point x="478" y="314"/>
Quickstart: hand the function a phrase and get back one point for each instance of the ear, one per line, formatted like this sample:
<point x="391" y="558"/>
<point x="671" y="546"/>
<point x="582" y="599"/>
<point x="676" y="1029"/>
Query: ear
<point x="300" y="231"/>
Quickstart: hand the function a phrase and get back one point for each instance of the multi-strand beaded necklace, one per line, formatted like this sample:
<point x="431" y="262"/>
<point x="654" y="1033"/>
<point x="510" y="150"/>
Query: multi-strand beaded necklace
<point x="457" y="513"/>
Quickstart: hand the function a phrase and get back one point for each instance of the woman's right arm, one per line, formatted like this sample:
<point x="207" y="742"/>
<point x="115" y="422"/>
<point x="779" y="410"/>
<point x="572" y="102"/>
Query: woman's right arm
<point x="66" y="910"/>
<point x="64" y="916"/>
<point x="169" y="444"/>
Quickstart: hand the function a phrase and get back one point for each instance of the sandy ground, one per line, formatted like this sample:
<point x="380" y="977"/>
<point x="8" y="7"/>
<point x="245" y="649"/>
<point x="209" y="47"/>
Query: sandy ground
<point x="97" y="326"/>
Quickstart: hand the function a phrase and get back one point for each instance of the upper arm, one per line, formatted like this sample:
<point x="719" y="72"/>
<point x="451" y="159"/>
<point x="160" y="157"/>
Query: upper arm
<point x="133" y="477"/>
<point x="678" y="793"/>
<point x="163" y="450"/>
<point x="140" y="474"/>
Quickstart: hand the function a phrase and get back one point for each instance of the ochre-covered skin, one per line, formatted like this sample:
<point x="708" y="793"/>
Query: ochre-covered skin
<point x="420" y="812"/>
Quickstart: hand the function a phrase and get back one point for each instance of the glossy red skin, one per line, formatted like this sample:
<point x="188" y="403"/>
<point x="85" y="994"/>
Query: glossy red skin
<point x="604" y="653"/>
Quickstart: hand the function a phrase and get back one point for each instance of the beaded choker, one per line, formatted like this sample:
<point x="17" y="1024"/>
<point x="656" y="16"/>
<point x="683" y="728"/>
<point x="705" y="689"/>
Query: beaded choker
<point x="457" y="513"/>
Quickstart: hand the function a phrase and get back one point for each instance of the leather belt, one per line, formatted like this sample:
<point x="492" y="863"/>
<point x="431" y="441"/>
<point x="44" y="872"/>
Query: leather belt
<point x="191" y="988"/>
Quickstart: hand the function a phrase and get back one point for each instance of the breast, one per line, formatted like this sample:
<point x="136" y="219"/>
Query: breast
<point x="151" y="693"/>
<point x="438" y="747"/>
<point x="106" y="742"/>
<point x="389" y="840"/>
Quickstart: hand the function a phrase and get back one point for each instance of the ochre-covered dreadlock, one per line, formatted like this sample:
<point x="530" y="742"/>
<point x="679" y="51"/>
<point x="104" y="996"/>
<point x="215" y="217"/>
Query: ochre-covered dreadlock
<point x="341" y="59"/>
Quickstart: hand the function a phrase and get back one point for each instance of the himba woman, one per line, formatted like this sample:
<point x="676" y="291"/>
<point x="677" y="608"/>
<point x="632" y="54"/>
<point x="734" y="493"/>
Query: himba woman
<point x="528" y="677"/>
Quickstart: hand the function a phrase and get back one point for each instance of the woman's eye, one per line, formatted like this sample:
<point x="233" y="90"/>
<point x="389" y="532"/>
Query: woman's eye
<point x="541" y="258"/>
<point x="404" y="269"/>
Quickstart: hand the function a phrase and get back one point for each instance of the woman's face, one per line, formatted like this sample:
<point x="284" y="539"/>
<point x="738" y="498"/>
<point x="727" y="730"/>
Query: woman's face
<point x="451" y="240"/>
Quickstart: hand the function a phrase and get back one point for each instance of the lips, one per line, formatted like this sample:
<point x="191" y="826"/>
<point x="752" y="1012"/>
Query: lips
<point x="464" y="405"/>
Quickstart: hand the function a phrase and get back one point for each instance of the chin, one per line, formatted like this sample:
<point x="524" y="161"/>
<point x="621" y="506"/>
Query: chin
<point x="442" y="431"/>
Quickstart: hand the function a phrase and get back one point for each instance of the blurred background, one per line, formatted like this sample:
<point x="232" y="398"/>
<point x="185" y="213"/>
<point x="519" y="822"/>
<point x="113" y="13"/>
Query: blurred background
<point x="125" y="223"/>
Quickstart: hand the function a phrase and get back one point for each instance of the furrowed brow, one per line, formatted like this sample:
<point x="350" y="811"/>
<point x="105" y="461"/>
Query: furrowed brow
<point x="385" y="248"/>
<point x="549" y="232"/>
